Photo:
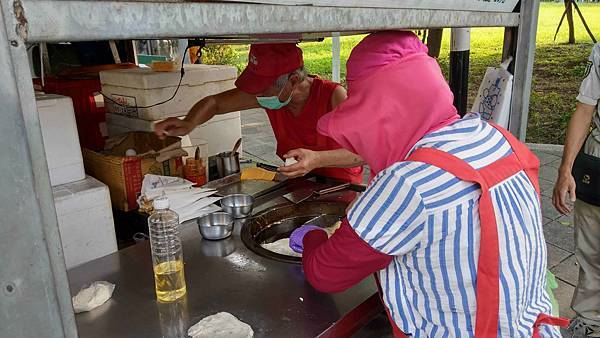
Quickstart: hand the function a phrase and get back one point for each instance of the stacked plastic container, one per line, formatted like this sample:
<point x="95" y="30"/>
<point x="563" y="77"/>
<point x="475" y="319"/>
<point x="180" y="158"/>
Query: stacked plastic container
<point x="88" y="107"/>
<point x="82" y="203"/>
<point x="142" y="87"/>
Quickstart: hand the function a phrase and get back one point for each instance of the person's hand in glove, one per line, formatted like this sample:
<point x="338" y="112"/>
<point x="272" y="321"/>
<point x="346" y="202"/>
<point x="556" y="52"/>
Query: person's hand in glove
<point x="297" y="236"/>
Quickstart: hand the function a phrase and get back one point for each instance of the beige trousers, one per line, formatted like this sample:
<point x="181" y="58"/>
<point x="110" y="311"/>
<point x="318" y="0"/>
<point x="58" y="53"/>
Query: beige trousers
<point x="586" y="299"/>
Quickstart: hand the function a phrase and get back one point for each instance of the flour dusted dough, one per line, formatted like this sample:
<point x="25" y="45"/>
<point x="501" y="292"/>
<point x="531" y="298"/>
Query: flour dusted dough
<point x="221" y="325"/>
<point x="290" y="161"/>
<point x="92" y="296"/>
<point x="281" y="247"/>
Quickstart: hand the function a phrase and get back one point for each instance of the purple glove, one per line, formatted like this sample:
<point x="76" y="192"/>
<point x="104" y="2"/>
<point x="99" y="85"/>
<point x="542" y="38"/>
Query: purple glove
<point x="297" y="237"/>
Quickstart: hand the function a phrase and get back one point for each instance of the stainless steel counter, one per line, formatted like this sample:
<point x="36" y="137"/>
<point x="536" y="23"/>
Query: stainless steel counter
<point x="272" y="297"/>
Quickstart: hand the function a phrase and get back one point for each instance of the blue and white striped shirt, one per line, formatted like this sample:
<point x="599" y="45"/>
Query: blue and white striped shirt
<point x="429" y="220"/>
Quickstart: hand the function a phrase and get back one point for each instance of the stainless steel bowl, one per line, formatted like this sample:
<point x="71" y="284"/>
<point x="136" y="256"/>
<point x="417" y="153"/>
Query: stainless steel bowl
<point x="215" y="226"/>
<point x="238" y="205"/>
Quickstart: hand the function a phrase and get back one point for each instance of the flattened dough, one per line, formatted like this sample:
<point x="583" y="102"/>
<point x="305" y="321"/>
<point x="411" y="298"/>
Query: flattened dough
<point x="282" y="246"/>
<point x="221" y="325"/>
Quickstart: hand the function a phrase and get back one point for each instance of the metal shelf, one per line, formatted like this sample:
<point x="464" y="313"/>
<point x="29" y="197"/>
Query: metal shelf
<point x="34" y="293"/>
<point x="54" y="21"/>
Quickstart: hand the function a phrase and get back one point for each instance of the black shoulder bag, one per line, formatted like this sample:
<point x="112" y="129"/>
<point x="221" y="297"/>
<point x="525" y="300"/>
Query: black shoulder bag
<point x="586" y="172"/>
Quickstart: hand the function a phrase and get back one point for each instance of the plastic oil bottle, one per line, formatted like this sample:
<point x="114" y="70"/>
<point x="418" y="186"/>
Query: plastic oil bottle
<point x="167" y="253"/>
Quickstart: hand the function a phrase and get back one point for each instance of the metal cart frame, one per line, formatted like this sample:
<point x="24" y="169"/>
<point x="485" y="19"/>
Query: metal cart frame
<point x="34" y="295"/>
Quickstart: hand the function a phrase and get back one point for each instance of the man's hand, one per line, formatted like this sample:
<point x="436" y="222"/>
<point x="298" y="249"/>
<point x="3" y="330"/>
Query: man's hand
<point x="564" y="188"/>
<point x="172" y="127"/>
<point x="308" y="160"/>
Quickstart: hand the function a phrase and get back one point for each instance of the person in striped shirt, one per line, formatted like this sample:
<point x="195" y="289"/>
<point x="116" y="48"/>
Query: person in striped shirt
<point x="457" y="251"/>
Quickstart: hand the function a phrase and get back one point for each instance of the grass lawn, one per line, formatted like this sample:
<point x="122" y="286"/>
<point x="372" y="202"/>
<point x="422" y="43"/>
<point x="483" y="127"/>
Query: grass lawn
<point x="557" y="72"/>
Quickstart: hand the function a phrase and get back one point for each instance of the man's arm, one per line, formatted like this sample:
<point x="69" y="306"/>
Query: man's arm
<point x="309" y="160"/>
<point x="226" y="102"/>
<point x="339" y="95"/>
<point x="578" y="129"/>
<point x="589" y="94"/>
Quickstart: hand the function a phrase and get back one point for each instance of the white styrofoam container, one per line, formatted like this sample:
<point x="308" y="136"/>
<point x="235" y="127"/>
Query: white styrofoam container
<point x="85" y="220"/>
<point x="221" y="132"/>
<point x="505" y="6"/>
<point x="143" y="87"/>
<point x="61" y="142"/>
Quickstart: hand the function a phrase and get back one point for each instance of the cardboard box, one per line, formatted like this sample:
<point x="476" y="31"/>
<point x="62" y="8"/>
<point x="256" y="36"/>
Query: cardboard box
<point x="124" y="174"/>
<point x="221" y="132"/>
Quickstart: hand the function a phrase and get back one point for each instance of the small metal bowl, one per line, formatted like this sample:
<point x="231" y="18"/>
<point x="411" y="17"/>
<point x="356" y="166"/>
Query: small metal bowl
<point x="238" y="205"/>
<point x="215" y="226"/>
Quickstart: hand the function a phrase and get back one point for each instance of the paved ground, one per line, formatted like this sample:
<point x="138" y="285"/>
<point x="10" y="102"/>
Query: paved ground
<point x="259" y="144"/>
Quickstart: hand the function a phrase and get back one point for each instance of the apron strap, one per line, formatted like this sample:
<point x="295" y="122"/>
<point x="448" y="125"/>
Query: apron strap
<point x="548" y="320"/>
<point x="488" y="275"/>
<point x="530" y="162"/>
<point x="488" y="268"/>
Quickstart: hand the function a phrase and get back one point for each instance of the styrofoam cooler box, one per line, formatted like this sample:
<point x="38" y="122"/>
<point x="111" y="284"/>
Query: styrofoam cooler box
<point x="61" y="143"/>
<point x="144" y="87"/>
<point x="85" y="220"/>
<point x="221" y="132"/>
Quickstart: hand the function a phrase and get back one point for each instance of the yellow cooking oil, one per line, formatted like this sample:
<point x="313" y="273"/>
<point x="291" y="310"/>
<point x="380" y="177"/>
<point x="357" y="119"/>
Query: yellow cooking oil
<point x="169" y="280"/>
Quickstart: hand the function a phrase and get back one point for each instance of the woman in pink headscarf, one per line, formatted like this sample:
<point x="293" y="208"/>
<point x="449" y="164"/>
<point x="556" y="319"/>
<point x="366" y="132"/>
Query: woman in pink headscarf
<point x="451" y="221"/>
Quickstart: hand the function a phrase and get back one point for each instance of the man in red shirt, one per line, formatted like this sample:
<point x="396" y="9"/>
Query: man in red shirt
<point x="275" y="80"/>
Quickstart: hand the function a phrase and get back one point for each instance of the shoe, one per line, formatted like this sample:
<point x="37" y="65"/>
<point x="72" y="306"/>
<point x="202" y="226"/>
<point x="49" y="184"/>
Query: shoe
<point x="584" y="328"/>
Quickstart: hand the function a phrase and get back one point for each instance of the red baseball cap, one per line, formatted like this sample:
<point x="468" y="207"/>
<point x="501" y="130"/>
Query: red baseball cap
<point x="267" y="62"/>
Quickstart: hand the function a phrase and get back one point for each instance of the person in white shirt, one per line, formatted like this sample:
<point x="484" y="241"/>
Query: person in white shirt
<point x="586" y="299"/>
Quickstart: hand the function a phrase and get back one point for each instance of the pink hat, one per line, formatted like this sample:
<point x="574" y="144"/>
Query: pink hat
<point x="396" y="95"/>
<point x="380" y="49"/>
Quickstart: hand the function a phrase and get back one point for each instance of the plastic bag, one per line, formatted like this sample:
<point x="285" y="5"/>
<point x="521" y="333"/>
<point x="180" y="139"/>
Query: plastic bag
<point x="551" y="285"/>
<point x="494" y="95"/>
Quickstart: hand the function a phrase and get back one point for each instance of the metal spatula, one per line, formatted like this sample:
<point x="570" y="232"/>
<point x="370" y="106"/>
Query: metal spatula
<point x="305" y="194"/>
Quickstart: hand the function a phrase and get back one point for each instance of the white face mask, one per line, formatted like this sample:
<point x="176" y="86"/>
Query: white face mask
<point x="272" y="102"/>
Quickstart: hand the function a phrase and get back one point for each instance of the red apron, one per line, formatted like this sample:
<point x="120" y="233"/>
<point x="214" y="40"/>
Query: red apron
<point x="293" y="132"/>
<point x="488" y="279"/>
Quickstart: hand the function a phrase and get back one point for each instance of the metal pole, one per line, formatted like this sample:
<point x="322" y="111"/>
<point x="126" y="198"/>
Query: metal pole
<point x="524" y="56"/>
<point x="434" y="41"/>
<point x="460" y="46"/>
<point x="181" y="46"/>
<point x="335" y="57"/>
<point x="34" y="295"/>
<point x="509" y="47"/>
